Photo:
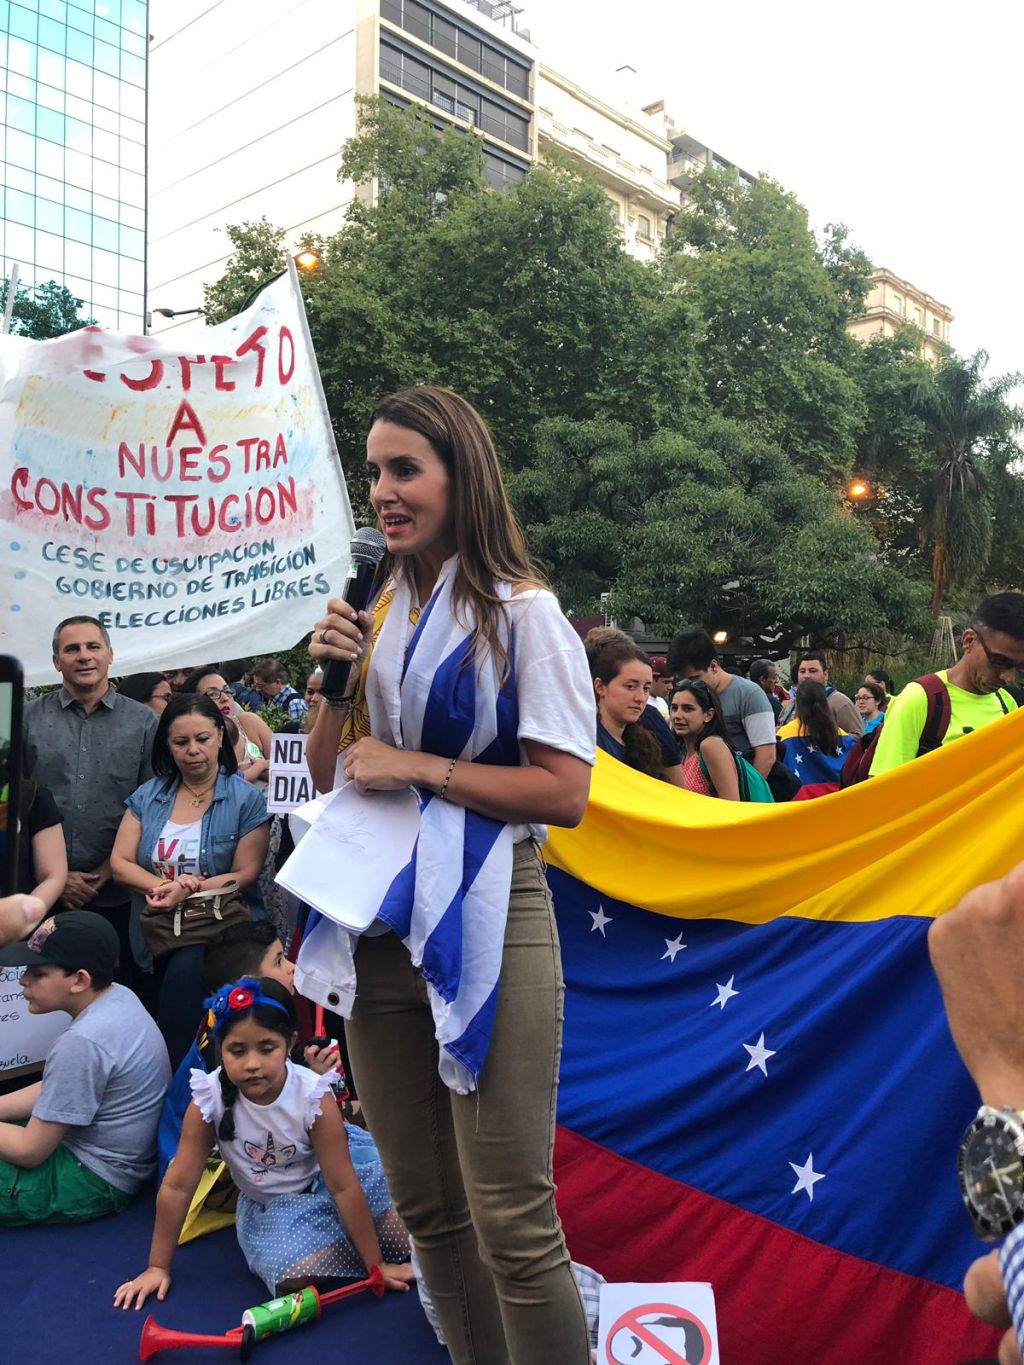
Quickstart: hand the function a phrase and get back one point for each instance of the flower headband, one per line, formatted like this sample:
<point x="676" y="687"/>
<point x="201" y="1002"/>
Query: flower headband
<point x="237" y="999"/>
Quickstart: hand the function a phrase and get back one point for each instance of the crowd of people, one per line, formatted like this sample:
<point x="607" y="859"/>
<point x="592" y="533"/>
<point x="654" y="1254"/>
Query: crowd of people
<point x="752" y="739"/>
<point x="150" y="851"/>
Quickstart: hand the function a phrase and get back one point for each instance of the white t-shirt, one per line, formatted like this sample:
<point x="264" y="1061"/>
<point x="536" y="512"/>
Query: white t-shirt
<point x="271" y="1152"/>
<point x="554" y="690"/>
<point x="176" y="851"/>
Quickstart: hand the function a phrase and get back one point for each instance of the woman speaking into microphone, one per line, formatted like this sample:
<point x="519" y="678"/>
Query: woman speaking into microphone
<point x="473" y="689"/>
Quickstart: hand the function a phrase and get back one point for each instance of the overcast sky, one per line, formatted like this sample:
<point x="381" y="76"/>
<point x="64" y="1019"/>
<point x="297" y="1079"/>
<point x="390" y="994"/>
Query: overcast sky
<point x="901" y="119"/>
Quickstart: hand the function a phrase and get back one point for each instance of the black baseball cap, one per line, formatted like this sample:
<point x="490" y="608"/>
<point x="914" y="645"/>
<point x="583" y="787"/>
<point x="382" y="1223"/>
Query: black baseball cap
<point x="74" y="939"/>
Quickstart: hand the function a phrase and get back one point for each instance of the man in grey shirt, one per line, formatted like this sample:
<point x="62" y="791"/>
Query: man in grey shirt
<point x="813" y="667"/>
<point x="89" y="1135"/>
<point x="92" y="749"/>
<point x="746" y="710"/>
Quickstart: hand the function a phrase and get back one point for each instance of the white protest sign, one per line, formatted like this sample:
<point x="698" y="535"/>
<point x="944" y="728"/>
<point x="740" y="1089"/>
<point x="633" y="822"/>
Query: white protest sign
<point x="658" y="1324"/>
<point x="289" y="783"/>
<point x="192" y="501"/>
<point x="24" y="1038"/>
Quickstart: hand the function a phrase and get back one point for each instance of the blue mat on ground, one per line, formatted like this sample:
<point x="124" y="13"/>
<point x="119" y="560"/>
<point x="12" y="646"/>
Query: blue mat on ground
<point x="59" y="1287"/>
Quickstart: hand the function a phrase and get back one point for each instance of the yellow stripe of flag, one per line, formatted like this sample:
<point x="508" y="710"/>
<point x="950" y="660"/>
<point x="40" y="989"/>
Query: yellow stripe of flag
<point x="908" y="843"/>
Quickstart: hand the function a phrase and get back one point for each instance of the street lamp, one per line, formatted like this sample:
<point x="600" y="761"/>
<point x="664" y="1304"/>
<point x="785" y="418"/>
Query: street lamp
<point x="309" y="260"/>
<point x="721" y="637"/>
<point x="859" y="490"/>
<point x="177" y="312"/>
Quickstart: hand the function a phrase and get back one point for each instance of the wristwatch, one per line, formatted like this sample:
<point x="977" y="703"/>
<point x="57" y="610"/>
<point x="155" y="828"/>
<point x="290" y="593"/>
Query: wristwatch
<point x="991" y="1170"/>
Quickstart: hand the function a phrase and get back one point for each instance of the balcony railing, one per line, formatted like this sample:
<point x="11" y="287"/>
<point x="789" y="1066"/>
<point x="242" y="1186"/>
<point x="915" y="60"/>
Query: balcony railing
<point x="507" y="15"/>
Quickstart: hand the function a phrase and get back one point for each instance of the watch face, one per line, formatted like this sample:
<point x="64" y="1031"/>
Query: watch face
<point x="992" y="1173"/>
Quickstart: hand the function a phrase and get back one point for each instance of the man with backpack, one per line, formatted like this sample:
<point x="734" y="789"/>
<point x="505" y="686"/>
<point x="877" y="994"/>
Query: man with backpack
<point x="945" y="706"/>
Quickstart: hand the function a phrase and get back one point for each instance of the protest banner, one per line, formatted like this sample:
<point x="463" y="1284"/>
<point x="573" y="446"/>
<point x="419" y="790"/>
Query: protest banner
<point x="192" y="501"/>
<point x="289" y="783"/>
<point x="25" y="1039"/>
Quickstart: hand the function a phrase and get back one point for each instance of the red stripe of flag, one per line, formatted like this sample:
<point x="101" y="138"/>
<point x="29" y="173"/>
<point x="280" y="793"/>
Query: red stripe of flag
<point x="781" y="1298"/>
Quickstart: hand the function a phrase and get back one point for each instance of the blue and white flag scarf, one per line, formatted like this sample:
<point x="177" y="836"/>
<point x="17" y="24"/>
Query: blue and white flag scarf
<point x="427" y="691"/>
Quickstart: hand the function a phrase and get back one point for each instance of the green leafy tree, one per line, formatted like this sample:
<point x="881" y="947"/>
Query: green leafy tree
<point x="969" y="423"/>
<point x="773" y="306"/>
<point x="522" y="301"/>
<point x="712" y="524"/>
<point x="43" y="311"/>
<point x="258" y="255"/>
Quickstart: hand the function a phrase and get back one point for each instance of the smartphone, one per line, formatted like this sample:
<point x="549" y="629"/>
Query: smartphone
<point x="11" y="695"/>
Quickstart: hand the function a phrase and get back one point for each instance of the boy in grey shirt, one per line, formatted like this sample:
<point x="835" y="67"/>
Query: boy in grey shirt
<point x="80" y="1142"/>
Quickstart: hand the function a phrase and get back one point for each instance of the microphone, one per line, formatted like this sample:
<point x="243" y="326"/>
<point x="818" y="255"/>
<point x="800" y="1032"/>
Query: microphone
<point x="366" y="550"/>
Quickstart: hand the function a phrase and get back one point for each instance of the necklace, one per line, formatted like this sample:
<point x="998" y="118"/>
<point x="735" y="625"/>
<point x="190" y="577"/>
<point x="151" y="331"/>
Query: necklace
<point x="197" y="796"/>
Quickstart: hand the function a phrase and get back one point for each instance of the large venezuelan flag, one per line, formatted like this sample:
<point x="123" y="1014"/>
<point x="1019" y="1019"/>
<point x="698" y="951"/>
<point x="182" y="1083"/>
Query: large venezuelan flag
<point x="758" y="1085"/>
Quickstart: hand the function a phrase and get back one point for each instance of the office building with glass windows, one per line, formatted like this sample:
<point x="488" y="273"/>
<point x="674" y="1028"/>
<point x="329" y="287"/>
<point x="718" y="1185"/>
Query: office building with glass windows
<point x="73" y="151"/>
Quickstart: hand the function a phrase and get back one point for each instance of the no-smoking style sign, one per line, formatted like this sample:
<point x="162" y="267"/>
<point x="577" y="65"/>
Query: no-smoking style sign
<point x="658" y="1324"/>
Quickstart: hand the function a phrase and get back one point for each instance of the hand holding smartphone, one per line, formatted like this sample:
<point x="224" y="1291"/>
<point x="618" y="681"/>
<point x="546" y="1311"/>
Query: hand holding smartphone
<point x="11" y="697"/>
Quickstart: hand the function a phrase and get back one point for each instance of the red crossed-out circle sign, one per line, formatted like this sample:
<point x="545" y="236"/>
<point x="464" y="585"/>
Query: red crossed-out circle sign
<point x="641" y="1323"/>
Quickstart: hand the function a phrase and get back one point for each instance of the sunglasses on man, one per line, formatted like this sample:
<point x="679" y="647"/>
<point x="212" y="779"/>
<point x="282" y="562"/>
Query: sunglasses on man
<point x="999" y="662"/>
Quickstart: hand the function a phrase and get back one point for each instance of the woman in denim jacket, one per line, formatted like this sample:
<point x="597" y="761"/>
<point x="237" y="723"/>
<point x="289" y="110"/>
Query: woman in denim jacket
<point x="193" y="827"/>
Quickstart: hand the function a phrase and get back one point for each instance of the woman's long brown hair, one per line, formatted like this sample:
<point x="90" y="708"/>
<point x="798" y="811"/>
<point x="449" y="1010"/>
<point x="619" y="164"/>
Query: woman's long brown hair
<point x="488" y="538"/>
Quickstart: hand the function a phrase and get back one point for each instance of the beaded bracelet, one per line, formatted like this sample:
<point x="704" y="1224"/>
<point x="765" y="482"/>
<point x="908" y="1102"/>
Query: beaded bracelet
<point x="448" y="778"/>
<point x="337" y="703"/>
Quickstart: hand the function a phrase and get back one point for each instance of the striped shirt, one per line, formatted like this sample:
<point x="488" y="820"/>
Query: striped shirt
<point x="1011" y="1262"/>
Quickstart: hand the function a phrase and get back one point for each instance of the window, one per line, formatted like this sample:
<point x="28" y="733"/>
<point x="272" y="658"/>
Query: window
<point x="517" y="79"/>
<point x="897" y="304"/>
<point x="936" y="327"/>
<point x="500" y="173"/>
<point x="469" y="52"/>
<point x="445" y="36"/>
<point x="643" y="227"/>
<point x="416" y="20"/>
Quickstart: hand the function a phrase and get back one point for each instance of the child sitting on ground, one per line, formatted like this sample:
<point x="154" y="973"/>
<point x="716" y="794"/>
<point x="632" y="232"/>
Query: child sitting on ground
<point x="90" y="1137"/>
<point x="303" y="1212"/>
<point x="251" y="948"/>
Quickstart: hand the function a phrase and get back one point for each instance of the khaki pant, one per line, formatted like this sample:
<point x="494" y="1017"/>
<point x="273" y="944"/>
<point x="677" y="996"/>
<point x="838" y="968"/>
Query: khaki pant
<point x="471" y="1175"/>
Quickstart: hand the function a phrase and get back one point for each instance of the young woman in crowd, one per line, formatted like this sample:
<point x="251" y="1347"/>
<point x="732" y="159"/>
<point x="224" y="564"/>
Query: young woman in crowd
<point x="623" y="676"/>
<point x="151" y="689"/>
<point x="192" y="827"/>
<point x="709" y="767"/>
<point x="870" y="701"/>
<point x="811" y="745"/>
<point x="457" y="1073"/>
<point x="881" y="679"/>
<point x="252" y="747"/>
<point x="313" y="1202"/>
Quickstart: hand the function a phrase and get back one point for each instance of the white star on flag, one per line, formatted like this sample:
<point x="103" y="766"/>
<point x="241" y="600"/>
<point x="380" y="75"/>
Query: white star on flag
<point x="759" y="1055"/>
<point x="799" y="760"/>
<point x="672" y="946"/>
<point x="806" y="1176"/>
<point x="725" y="993"/>
<point x="600" y="920"/>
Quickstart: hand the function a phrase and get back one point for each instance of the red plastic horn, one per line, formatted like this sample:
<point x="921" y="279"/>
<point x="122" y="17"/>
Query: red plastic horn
<point x="156" y="1338"/>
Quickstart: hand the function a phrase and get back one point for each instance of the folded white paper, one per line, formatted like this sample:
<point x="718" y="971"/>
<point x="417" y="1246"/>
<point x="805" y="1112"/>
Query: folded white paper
<point x="354" y="847"/>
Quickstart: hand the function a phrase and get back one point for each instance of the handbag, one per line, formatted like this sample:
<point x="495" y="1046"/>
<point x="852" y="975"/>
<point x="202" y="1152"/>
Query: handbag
<point x="199" y="918"/>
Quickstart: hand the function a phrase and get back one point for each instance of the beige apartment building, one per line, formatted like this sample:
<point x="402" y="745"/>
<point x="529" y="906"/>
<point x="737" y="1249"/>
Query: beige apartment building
<point x="627" y="147"/>
<point x="892" y="303"/>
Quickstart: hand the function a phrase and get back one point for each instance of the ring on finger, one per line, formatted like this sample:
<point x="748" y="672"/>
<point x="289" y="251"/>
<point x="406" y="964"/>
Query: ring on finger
<point x="323" y="637"/>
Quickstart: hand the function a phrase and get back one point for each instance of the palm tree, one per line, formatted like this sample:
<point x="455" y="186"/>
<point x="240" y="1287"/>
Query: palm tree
<point x="966" y="420"/>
